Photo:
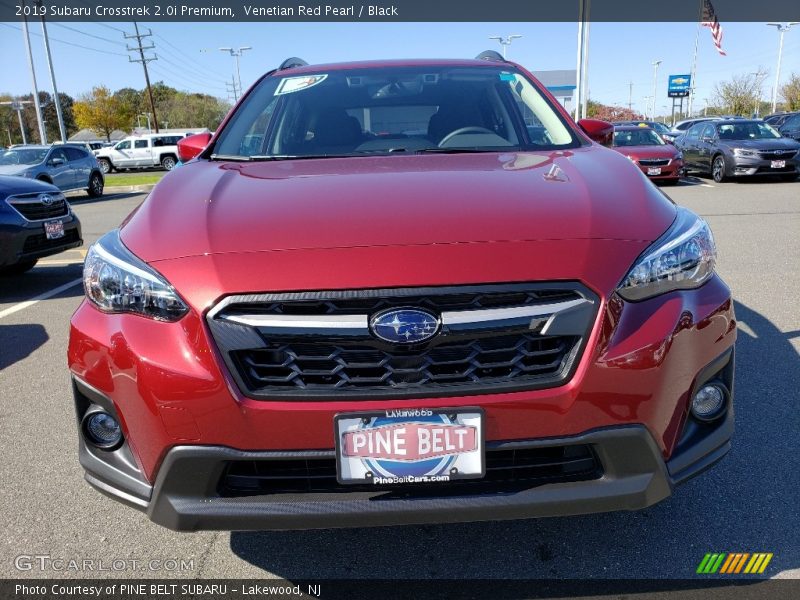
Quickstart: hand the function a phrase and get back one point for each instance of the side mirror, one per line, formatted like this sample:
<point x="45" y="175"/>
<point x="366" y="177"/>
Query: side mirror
<point x="193" y="145"/>
<point x="598" y="131"/>
<point x="56" y="162"/>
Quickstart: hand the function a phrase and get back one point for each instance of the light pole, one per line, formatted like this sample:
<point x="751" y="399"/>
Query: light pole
<point x="646" y="104"/>
<point x="655" y="64"/>
<point x="505" y="41"/>
<point x="781" y="29"/>
<point x="759" y="75"/>
<point x="237" y="53"/>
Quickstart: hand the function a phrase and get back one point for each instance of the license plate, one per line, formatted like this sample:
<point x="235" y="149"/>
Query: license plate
<point x="654" y="170"/>
<point x="54" y="229"/>
<point x="407" y="446"/>
<point x="778" y="164"/>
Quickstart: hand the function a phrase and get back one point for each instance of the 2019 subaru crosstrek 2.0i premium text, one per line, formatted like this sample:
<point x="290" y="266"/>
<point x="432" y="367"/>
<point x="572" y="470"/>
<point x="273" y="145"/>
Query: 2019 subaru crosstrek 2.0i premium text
<point x="372" y="299"/>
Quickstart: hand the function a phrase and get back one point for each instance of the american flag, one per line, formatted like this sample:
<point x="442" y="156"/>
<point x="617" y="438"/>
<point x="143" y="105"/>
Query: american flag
<point x="709" y="19"/>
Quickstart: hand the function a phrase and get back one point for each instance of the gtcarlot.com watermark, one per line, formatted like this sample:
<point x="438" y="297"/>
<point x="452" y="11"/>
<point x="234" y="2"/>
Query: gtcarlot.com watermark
<point x="47" y="563"/>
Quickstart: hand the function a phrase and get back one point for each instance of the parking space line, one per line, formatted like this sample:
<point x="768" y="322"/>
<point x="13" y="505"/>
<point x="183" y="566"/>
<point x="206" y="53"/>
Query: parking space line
<point x="23" y="305"/>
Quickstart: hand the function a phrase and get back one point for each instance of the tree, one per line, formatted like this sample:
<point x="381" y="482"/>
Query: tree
<point x="791" y="93"/>
<point x="103" y="112"/>
<point x="596" y="110"/>
<point x="739" y="96"/>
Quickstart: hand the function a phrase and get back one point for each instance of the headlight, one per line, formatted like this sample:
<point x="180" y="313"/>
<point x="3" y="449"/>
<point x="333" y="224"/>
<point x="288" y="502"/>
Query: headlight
<point x="745" y="152"/>
<point x="683" y="258"/>
<point x="116" y="281"/>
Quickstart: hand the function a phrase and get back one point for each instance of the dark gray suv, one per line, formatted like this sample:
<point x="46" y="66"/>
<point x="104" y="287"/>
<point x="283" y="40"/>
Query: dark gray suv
<point x="66" y="166"/>
<point x="738" y="148"/>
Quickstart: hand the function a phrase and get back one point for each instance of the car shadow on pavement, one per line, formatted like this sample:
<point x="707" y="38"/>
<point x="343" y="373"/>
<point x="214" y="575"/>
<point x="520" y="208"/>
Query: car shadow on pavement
<point x="747" y="503"/>
<point x="19" y="341"/>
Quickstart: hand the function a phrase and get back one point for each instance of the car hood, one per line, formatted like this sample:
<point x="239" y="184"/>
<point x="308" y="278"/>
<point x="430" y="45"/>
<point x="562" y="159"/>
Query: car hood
<point x="666" y="151"/>
<point x="209" y="207"/>
<point x="13" y="169"/>
<point x="777" y="144"/>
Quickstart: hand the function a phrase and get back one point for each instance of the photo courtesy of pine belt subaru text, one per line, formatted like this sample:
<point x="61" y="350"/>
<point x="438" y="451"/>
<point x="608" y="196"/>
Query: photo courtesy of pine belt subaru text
<point x="400" y="292"/>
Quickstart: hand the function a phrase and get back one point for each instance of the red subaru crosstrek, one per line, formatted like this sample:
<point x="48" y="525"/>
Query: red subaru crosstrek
<point x="400" y="292"/>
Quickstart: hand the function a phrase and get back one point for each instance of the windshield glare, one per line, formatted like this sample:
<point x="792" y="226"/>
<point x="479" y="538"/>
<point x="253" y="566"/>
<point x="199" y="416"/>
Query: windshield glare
<point x="637" y="137"/>
<point x="24" y="156"/>
<point x="393" y="111"/>
<point x="747" y="131"/>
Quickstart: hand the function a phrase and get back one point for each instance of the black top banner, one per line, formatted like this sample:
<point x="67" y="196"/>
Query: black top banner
<point x="394" y="10"/>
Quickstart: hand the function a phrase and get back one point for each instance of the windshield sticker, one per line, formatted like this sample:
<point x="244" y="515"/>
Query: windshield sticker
<point x="507" y="77"/>
<point x="295" y="84"/>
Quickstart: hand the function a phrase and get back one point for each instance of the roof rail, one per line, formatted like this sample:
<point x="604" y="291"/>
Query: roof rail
<point x="292" y="62"/>
<point x="492" y="55"/>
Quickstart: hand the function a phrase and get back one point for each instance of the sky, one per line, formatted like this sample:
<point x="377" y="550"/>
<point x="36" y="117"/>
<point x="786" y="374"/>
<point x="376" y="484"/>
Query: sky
<point x="89" y="54"/>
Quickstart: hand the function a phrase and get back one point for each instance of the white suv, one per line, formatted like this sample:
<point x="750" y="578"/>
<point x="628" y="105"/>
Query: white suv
<point x="139" y="152"/>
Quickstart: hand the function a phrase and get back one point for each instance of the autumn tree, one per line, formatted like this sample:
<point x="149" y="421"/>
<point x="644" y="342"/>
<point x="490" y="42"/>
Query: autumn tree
<point x="740" y="95"/>
<point x="102" y="112"/>
<point x="791" y="93"/>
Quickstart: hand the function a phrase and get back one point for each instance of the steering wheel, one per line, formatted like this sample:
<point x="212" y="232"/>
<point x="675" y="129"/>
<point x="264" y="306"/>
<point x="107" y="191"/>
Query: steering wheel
<point x="463" y="130"/>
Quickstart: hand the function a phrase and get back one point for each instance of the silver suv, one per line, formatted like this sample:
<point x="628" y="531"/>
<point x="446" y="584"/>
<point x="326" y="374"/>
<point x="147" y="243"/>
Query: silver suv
<point x="68" y="167"/>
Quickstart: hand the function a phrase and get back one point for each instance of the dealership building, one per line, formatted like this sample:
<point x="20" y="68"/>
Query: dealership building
<point x="561" y="84"/>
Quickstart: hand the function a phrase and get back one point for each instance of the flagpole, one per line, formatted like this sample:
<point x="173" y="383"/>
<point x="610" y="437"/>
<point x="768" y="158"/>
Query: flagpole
<point x="694" y="61"/>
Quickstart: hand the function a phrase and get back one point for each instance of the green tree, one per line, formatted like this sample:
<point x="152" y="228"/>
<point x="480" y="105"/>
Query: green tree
<point x="102" y="112"/>
<point x="791" y="93"/>
<point x="739" y="95"/>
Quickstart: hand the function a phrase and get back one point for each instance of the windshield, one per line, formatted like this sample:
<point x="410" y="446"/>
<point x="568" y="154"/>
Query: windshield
<point x="23" y="156"/>
<point x="747" y="131"/>
<point x="637" y="137"/>
<point x="393" y="110"/>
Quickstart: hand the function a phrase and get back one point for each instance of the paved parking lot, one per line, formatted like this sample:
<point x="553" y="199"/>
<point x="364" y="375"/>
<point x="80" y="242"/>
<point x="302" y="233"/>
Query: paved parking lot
<point x="747" y="504"/>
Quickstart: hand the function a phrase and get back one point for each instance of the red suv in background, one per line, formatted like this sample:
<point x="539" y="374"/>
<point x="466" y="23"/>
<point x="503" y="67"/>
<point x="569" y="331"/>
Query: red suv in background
<point x="375" y="297"/>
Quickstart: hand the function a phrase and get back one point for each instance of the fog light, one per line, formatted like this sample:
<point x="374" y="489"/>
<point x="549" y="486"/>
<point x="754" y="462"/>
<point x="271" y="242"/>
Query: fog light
<point x="709" y="402"/>
<point x="102" y="430"/>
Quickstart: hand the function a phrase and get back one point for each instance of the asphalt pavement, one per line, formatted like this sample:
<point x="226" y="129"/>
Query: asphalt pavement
<point x="748" y="503"/>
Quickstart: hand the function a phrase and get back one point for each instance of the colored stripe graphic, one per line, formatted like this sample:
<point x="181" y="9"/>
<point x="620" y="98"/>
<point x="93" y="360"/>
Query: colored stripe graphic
<point x="734" y="563"/>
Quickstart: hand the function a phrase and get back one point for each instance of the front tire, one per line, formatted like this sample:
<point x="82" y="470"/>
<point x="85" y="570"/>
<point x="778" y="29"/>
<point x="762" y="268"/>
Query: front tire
<point x="105" y="165"/>
<point x="718" y="169"/>
<point x="96" y="185"/>
<point x="168" y="162"/>
<point x="19" y="268"/>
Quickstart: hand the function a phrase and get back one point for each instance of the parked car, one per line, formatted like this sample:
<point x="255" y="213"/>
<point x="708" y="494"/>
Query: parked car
<point x="739" y="148"/>
<point x="35" y="221"/>
<point x="345" y="326"/>
<point x="89" y="146"/>
<point x="790" y="126"/>
<point x="660" y="128"/>
<point x="656" y="158"/>
<point x="681" y="127"/>
<point x="65" y="166"/>
<point x="141" y="152"/>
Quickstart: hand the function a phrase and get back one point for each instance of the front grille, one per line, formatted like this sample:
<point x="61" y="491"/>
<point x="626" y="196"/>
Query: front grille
<point x="32" y="208"/>
<point x="299" y="365"/>
<point x="325" y="363"/>
<point x="775" y="156"/>
<point x="39" y="242"/>
<point x="654" y="162"/>
<point x="507" y="470"/>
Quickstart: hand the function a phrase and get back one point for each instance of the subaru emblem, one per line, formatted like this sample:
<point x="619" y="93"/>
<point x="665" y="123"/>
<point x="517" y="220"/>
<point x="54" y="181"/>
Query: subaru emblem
<point x="404" y="326"/>
<point x="46" y="199"/>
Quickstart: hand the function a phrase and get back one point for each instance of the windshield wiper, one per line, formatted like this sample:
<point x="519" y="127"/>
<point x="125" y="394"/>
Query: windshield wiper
<point x="462" y="150"/>
<point x="233" y="157"/>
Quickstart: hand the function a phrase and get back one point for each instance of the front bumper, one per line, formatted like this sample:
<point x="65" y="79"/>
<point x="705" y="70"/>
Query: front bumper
<point x="22" y="240"/>
<point x="673" y="171"/>
<point x="743" y="166"/>
<point x="632" y="474"/>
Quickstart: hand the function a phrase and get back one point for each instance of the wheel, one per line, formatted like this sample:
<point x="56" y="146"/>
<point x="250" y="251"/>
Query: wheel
<point x="96" y="183"/>
<point x="718" y="169"/>
<point x="44" y="179"/>
<point x="19" y="268"/>
<point x="105" y="165"/>
<point x="168" y="162"/>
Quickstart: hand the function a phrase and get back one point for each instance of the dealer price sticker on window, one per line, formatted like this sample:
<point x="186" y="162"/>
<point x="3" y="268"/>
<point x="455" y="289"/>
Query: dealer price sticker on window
<point x="403" y="446"/>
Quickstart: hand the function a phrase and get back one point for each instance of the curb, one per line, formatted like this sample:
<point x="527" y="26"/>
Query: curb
<point x="120" y="189"/>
